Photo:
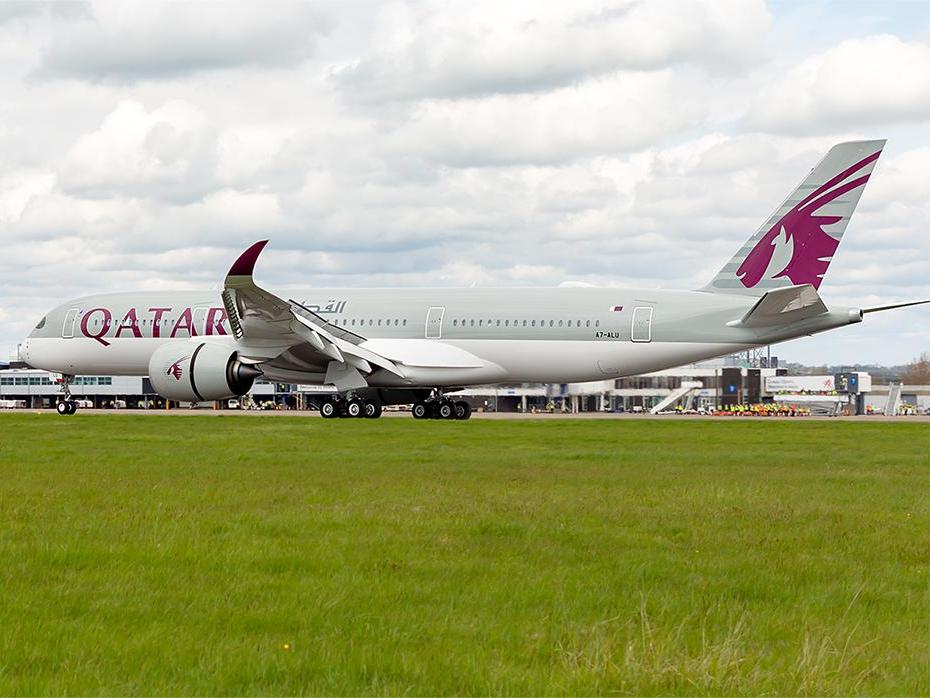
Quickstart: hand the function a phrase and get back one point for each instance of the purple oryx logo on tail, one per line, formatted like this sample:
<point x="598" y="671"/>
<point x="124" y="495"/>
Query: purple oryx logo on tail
<point x="811" y="247"/>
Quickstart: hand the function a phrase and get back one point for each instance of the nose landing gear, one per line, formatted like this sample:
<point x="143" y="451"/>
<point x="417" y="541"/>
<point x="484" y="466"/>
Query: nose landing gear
<point x="67" y="406"/>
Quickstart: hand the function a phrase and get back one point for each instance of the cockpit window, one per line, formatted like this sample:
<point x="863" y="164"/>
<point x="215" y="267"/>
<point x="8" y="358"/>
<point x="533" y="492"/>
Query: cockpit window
<point x="41" y="324"/>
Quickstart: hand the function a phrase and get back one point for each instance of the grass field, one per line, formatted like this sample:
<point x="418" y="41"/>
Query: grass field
<point x="230" y="555"/>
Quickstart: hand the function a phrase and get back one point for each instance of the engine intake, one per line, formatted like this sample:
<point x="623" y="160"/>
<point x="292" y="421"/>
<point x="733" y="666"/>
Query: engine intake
<point x="199" y="372"/>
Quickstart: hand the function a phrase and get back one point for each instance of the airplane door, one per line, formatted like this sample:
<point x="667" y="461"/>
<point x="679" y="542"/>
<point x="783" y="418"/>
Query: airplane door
<point x="434" y="322"/>
<point x="642" y="325"/>
<point x="67" y="328"/>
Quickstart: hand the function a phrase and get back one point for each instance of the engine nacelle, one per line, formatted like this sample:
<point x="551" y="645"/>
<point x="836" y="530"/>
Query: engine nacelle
<point x="199" y="372"/>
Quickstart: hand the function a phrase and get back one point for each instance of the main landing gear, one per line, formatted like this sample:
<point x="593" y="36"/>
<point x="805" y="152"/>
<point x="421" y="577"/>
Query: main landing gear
<point x="437" y="406"/>
<point x="67" y="406"/>
<point x="441" y="408"/>
<point x="333" y="407"/>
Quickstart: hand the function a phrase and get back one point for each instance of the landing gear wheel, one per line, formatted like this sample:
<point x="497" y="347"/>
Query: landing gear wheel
<point x="328" y="409"/>
<point x="67" y="405"/>
<point x="419" y="410"/>
<point x="462" y="410"/>
<point x="354" y="409"/>
<point x="446" y="410"/>
<point x="372" y="410"/>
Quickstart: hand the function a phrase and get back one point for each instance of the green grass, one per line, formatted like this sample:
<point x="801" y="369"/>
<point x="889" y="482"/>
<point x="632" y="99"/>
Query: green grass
<point x="226" y="555"/>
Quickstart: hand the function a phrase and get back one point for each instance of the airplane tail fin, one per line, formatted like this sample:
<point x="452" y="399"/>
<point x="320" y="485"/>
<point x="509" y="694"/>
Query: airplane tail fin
<point x="796" y="244"/>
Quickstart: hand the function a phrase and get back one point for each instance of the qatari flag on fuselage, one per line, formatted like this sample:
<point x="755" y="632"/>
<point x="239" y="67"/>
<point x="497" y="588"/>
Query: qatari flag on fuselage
<point x="616" y="308"/>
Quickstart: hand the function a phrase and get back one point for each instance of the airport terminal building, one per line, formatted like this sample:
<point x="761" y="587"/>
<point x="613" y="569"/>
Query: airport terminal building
<point x="692" y="388"/>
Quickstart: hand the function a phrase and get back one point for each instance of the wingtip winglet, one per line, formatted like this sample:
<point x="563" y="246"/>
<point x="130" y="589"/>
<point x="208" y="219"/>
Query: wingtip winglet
<point x="245" y="264"/>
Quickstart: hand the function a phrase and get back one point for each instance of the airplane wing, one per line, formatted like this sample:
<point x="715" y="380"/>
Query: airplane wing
<point x="292" y="342"/>
<point x="292" y="336"/>
<point x="781" y="306"/>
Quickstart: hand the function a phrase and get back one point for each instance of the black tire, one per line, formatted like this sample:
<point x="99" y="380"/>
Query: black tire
<point x="446" y="410"/>
<point x="328" y="409"/>
<point x="419" y="410"/>
<point x="63" y="409"/>
<point x="355" y="409"/>
<point x="462" y="410"/>
<point x="72" y="407"/>
<point x="372" y="409"/>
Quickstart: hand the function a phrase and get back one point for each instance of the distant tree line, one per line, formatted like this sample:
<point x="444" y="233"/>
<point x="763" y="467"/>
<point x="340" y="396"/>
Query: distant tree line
<point x="918" y="371"/>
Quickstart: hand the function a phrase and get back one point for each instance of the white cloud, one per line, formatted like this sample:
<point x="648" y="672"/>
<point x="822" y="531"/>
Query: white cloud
<point x="163" y="153"/>
<point x="132" y="41"/>
<point x="489" y="47"/>
<point x="17" y="189"/>
<point x="867" y="81"/>
<point x="249" y="151"/>
<point x="620" y="113"/>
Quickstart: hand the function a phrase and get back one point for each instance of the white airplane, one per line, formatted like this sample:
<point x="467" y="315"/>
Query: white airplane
<point x="401" y="346"/>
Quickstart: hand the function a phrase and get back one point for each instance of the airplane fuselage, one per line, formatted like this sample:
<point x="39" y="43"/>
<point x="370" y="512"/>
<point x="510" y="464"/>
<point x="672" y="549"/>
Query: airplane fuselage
<point x="520" y="334"/>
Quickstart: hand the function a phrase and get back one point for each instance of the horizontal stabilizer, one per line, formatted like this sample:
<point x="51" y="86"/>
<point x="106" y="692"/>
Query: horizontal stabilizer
<point x="879" y="308"/>
<point x="782" y="306"/>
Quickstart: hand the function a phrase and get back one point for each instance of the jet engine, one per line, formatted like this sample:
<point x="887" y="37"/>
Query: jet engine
<point x="198" y="372"/>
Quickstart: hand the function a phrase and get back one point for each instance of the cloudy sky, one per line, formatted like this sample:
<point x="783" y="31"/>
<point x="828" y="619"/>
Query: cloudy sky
<point x="143" y="145"/>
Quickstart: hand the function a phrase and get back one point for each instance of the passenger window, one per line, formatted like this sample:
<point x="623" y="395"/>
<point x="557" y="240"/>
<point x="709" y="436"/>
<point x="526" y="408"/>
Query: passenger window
<point x="405" y="322"/>
<point x="587" y="323"/>
<point x="498" y="323"/>
<point x="506" y="323"/>
<point x="560" y="323"/>
<point x="551" y="323"/>
<point x="597" y="323"/>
